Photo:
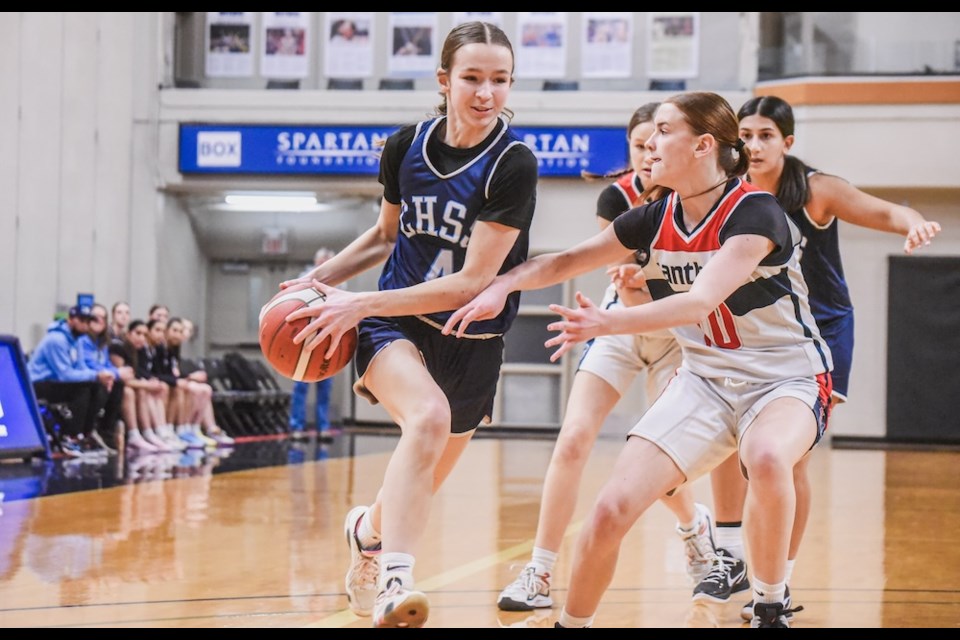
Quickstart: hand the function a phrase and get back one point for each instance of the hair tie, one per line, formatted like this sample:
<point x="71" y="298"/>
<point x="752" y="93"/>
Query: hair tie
<point x="738" y="145"/>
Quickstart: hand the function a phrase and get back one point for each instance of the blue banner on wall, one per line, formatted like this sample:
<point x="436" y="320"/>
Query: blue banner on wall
<point x="338" y="150"/>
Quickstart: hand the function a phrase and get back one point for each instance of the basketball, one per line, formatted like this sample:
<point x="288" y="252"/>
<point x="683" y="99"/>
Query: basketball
<point x="291" y="360"/>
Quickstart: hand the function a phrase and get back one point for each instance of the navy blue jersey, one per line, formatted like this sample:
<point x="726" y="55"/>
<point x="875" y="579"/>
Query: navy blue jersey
<point x="442" y="192"/>
<point x="822" y="267"/>
<point x="619" y="196"/>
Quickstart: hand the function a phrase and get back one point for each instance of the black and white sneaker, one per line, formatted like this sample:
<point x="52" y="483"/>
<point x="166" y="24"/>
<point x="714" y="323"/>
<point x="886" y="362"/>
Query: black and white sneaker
<point x="771" y="616"/>
<point x="727" y="576"/>
<point x="747" y="612"/>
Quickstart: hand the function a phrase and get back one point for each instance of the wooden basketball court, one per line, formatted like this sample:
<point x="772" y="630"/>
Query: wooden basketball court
<point x="265" y="547"/>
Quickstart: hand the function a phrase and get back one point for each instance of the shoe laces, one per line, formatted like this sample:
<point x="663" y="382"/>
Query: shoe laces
<point x="392" y="588"/>
<point x="697" y="544"/>
<point x="722" y="564"/>
<point x="530" y="582"/>
<point x="779" y="619"/>
<point x="366" y="571"/>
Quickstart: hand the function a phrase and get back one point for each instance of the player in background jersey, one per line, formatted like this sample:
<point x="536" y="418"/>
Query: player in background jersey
<point x="459" y="192"/>
<point x="724" y="274"/>
<point x="815" y="202"/>
<point x="607" y="368"/>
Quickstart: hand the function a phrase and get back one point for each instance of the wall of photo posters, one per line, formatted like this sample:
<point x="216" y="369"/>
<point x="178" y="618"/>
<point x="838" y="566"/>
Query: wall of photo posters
<point x="597" y="50"/>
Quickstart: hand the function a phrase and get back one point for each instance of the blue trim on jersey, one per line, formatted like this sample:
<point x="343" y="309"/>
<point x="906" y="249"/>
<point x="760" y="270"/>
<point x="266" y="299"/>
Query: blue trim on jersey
<point x="838" y="334"/>
<point x="822" y="267"/>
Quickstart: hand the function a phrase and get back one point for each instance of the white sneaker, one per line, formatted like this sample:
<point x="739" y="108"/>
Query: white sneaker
<point x="364" y="571"/>
<point x="169" y="436"/>
<point x="699" y="546"/>
<point x="400" y="608"/>
<point x="137" y="443"/>
<point x="204" y="438"/>
<point x="531" y="590"/>
<point x="154" y="438"/>
<point x="218" y="434"/>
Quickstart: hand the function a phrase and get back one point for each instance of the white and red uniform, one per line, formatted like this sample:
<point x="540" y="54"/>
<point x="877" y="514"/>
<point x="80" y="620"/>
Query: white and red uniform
<point x="761" y="343"/>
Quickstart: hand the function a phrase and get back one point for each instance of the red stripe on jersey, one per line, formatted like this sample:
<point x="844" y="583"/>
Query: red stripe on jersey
<point x="706" y="237"/>
<point x="628" y="185"/>
<point x="825" y="382"/>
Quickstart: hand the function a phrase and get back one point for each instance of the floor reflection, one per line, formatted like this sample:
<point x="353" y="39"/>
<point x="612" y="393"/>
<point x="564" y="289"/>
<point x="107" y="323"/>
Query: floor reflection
<point x="21" y="480"/>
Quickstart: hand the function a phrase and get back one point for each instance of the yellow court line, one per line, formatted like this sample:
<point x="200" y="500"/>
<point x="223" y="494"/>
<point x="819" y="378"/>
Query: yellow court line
<point x="345" y="617"/>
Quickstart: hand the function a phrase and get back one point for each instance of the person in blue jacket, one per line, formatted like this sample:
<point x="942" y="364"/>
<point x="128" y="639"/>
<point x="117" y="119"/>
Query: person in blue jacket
<point x="60" y="375"/>
<point x="95" y="351"/>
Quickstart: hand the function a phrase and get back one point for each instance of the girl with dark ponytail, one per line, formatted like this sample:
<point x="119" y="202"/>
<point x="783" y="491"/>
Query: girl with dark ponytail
<point x="814" y="201"/>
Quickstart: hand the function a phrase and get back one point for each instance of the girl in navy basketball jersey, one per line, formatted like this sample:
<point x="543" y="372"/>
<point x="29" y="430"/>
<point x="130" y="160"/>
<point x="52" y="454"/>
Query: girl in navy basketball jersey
<point x="459" y="192"/>
<point x="815" y="202"/>
<point x="724" y="274"/>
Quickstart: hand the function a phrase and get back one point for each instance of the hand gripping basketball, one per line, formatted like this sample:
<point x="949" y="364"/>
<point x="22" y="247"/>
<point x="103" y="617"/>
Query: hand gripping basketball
<point x="293" y="360"/>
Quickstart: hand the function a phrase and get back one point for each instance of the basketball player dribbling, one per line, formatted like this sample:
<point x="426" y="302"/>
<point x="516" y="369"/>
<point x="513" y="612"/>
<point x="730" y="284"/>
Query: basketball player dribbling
<point x="459" y="196"/>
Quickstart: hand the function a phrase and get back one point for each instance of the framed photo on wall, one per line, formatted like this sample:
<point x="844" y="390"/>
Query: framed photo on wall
<point x="673" y="44"/>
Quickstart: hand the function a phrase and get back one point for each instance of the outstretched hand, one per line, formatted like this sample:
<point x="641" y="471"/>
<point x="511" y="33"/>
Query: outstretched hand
<point x="627" y="276"/>
<point x="339" y="313"/>
<point x="486" y="305"/>
<point x="920" y="235"/>
<point x="578" y="325"/>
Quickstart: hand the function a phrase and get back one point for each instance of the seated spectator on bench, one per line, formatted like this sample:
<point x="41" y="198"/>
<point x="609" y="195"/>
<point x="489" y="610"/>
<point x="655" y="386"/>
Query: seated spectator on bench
<point x="119" y="319"/>
<point x="94" y="351"/>
<point x="196" y="408"/>
<point x="151" y="431"/>
<point x="59" y="375"/>
<point x="157" y="360"/>
<point x="159" y="312"/>
<point x="187" y="347"/>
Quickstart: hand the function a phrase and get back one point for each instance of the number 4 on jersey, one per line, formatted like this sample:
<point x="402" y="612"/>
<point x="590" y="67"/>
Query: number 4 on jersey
<point x="442" y="265"/>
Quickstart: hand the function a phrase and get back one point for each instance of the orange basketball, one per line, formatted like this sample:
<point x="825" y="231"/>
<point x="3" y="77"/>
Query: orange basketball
<point x="289" y="359"/>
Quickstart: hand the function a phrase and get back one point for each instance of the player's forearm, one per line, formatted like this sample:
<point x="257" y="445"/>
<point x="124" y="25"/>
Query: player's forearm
<point x="673" y="311"/>
<point x="433" y="296"/>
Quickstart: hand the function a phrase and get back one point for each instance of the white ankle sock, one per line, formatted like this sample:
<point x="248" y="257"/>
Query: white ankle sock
<point x="693" y="524"/>
<point x="397" y="565"/>
<point x="366" y="534"/>
<point x="768" y="593"/>
<point x="571" y="622"/>
<point x="730" y="537"/>
<point x="544" y="560"/>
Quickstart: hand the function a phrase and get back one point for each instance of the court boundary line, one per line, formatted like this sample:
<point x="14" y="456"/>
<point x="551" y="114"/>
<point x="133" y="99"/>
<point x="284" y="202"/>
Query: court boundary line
<point x="434" y="583"/>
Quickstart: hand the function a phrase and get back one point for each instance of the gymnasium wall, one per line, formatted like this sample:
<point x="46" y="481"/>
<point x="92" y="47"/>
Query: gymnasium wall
<point x="91" y="199"/>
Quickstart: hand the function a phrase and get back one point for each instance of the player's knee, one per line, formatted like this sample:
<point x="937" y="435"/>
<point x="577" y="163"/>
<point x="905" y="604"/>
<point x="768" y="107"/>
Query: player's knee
<point x="573" y="447"/>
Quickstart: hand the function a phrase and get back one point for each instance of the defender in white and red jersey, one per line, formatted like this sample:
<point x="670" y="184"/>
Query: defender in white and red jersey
<point x="724" y="272"/>
<point x="765" y="330"/>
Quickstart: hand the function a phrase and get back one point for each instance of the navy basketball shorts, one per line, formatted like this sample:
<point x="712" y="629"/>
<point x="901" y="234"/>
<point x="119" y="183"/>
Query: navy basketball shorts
<point x="838" y="334"/>
<point x="466" y="369"/>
